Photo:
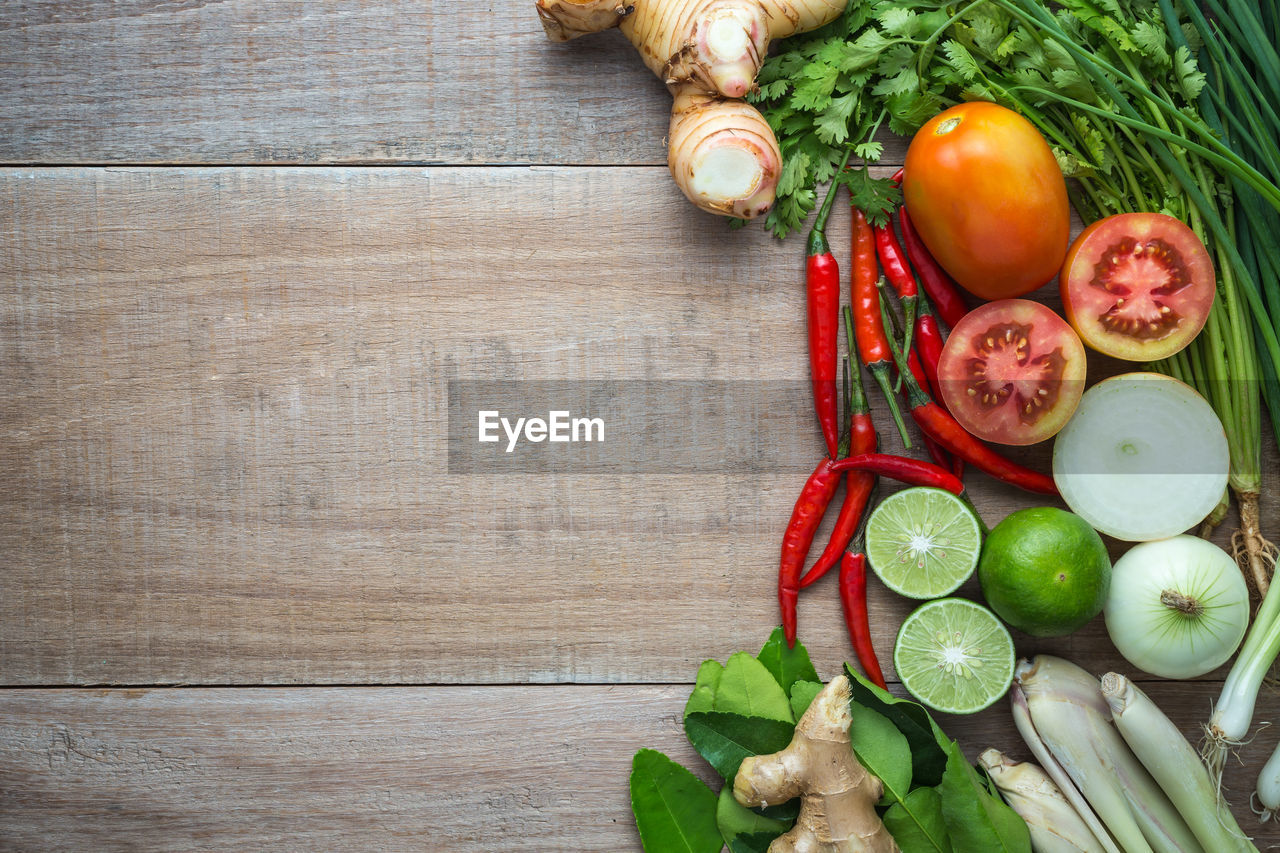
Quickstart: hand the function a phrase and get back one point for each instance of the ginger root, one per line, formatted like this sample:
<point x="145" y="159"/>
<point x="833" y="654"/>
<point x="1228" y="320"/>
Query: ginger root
<point x="838" y="795"/>
<point x="708" y="53"/>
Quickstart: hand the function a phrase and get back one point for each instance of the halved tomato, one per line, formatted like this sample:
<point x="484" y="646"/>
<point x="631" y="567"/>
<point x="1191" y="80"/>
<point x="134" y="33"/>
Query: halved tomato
<point x="988" y="198"/>
<point x="1137" y="286"/>
<point x="1012" y="372"/>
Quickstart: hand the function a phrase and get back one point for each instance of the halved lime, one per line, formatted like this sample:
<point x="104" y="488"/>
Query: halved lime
<point x="954" y="656"/>
<point x="923" y="543"/>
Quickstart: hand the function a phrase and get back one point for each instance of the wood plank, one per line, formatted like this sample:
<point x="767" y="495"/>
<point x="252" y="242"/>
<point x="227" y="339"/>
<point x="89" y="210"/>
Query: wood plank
<point x="223" y="405"/>
<point x="377" y="768"/>
<point x="393" y="81"/>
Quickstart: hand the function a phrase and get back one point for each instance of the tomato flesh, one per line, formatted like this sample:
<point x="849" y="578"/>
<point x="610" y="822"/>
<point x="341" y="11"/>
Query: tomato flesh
<point x="1012" y="372"/>
<point x="1137" y="286"/>
<point x="988" y="198"/>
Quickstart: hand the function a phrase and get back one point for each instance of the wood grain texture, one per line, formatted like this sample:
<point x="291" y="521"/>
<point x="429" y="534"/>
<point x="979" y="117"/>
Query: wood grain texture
<point x="222" y="439"/>
<point x="467" y="769"/>
<point x="394" y="81"/>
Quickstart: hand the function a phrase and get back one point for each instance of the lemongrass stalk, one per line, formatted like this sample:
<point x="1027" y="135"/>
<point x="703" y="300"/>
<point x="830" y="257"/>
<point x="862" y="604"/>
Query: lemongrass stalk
<point x="1174" y="765"/>
<point x="1070" y="716"/>
<point x="1056" y="827"/>
<point x="1268" y="790"/>
<point x="1233" y="712"/>
<point x="1026" y="728"/>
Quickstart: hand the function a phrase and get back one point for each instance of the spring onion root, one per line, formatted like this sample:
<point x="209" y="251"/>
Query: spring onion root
<point x="1255" y="554"/>
<point x="1056" y="827"/>
<point x="708" y="53"/>
<point x="1071" y="718"/>
<point x="1233" y="712"/>
<point x="1174" y="765"/>
<point x="1268" y="792"/>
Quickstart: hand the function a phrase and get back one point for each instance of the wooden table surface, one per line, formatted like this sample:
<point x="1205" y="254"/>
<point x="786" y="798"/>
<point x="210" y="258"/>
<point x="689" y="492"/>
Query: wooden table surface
<point x="244" y="605"/>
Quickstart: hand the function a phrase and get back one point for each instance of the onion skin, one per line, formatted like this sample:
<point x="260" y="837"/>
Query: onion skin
<point x="1177" y="608"/>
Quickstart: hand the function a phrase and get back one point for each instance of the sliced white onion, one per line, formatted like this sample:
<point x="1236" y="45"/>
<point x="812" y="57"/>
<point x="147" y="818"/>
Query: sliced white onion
<point x="1144" y="457"/>
<point x="1177" y="607"/>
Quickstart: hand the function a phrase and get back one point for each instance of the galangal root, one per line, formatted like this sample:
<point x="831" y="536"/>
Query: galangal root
<point x="722" y="153"/>
<point x="837" y="794"/>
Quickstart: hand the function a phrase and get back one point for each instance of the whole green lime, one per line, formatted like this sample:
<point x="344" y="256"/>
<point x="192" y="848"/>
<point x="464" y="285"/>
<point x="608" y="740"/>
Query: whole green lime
<point x="1045" y="571"/>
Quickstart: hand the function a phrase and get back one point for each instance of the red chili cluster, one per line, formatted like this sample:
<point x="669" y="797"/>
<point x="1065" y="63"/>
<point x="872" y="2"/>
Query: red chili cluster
<point x="911" y="349"/>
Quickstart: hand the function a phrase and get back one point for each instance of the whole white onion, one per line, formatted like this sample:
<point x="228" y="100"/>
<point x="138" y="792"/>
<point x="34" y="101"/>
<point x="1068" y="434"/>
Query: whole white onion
<point x="1177" y="607"/>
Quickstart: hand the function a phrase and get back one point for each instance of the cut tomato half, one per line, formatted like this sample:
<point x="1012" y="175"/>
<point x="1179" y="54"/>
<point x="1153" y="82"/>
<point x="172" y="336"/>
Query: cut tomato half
<point x="1137" y="286"/>
<point x="1012" y="372"/>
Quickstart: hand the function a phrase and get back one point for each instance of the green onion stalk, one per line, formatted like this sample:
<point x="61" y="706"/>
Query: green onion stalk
<point x="1174" y="155"/>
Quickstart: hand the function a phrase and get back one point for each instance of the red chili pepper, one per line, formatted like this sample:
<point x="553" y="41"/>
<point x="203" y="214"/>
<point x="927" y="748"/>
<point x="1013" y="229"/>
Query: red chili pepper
<point x="810" y="507"/>
<point x="853" y="599"/>
<point x="896" y="269"/>
<point x="873" y="343"/>
<point x="822" y="289"/>
<point x="858" y="485"/>
<point x="929" y="346"/>
<point x="940" y="287"/>
<point x="896" y="178"/>
<point x="904" y="469"/>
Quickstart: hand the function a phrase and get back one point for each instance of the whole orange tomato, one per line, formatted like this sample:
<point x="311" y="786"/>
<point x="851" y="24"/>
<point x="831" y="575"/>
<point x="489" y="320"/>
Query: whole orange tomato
<point x="988" y="199"/>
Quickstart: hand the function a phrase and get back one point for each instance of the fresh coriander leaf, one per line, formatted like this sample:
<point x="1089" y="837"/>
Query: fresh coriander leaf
<point x="674" y="811"/>
<point x="795" y="168"/>
<point x="786" y="665"/>
<point x="875" y="197"/>
<point x="898" y="21"/>
<point x="1190" y="78"/>
<point x="961" y="60"/>
<point x="916" y="823"/>
<point x="832" y="125"/>
<point x="869" y="151"/>
<point x="724" y="739"/>
<point x="1153" y="41"/>
<point x="813" y="89"/>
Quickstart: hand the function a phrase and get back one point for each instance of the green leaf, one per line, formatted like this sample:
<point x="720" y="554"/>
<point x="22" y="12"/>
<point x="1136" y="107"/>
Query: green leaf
<point x="959" y="58"/>
<point x="747" y="687"/>
<point x="976" y="820"/>
<point x="758" y="843"/>
<point x="832" y="126"/>
<point x="802" y="696"/>
<point x="916" y="823"/>
<point x="1153" y="41"/>
<point x="703" y="697"/>
<point x="882" y="749"/>
<point x="724" y="739"/>
<point x="736" y="820"/>
<point x="927" y="741"/>
<point x="898" y="21"/>
<point x="674" y="811"/>
<point x="1190" y="78"/>
<point x="876" y="197"/>
<point x="813" y="89"/>
<point x="786" y="665"/>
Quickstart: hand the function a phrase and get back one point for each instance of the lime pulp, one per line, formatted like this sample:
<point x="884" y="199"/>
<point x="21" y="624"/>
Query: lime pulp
<point x="923" y="543"/>
<point x="954" y="656"/>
